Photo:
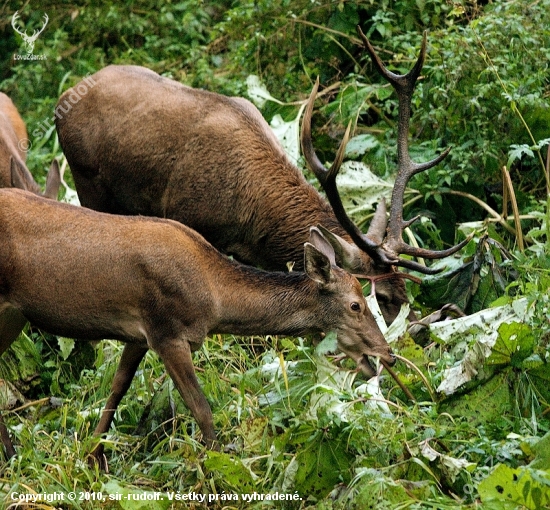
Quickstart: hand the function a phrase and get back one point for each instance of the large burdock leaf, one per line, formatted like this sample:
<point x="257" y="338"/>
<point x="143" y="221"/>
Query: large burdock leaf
<point x="322" y="464"/>
<point x="287" y="132"/>
<point x="515" y="343"/>
<point x="472" y="281"/>
<point x="258" y="93"/>
<point x="477" y="334"/>
<point x="359" y="188"/>
<point x="507" y="488"/>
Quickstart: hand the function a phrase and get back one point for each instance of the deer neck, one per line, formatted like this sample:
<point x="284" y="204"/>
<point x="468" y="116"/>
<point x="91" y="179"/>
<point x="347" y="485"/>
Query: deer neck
<point x="259" y="302"/>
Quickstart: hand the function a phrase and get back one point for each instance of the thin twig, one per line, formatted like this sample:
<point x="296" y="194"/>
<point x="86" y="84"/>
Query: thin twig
<point x="421" y="375"/>
<point x="499" y="219"/>
<point x="397" y="380"/>
<point x="41" y="401"/>
<point x="512" y="197"/>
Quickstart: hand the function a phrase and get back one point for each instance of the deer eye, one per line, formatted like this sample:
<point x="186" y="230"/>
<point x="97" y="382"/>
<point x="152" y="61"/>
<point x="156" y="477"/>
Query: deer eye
<point x="356" y="307"/>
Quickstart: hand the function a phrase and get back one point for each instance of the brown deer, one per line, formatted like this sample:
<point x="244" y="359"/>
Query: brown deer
<point x="138" y="143"/>
<point x="13" y="154"/>
<point x="157" y="284"/>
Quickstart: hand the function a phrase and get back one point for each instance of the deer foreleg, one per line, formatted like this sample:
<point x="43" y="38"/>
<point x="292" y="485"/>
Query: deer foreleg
<point x="177" y="359"/>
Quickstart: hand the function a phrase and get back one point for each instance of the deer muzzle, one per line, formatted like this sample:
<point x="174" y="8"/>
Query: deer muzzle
<point x="366" y="365"/>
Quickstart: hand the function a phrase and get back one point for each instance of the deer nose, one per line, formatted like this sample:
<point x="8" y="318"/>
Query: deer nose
<point x="393" y="359"/>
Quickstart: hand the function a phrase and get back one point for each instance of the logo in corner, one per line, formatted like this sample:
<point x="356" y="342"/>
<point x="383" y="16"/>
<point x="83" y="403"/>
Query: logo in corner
<point x="28" y="40"/>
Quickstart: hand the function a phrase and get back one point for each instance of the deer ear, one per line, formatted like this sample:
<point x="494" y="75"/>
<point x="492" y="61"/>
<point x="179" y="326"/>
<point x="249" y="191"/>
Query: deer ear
<point x="317" y="265"/>
<point x="348" y="256"/>
<point x="379" y="223"/>
<point x="53" y="181"/>
<point x="19" y="175"/>
<point x="317" y="239"/>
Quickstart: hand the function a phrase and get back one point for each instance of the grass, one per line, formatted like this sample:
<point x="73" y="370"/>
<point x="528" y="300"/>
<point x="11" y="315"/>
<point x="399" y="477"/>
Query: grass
<point x="309" y="431"/>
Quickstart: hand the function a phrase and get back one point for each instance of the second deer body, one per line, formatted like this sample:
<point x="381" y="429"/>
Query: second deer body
<point x="156" y="284"/>
<point x="14" y="144"/>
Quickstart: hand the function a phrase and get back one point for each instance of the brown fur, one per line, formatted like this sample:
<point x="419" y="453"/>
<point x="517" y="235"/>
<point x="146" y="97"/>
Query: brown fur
<point x="138" y="143"/>
<point x="157" y="284"/>
<point x="13" y="144"/>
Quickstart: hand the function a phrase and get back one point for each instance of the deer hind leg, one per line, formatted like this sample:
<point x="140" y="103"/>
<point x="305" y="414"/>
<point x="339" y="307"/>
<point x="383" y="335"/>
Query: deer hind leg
<point x="12" y="323"/>
<point x="177" y="359"/>
<point x="129" y="362"/>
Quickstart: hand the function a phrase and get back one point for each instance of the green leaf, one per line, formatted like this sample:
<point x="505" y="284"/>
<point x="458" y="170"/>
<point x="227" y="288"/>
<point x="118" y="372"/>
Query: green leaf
<point x="360" y="188"/>
<point x="517" y="151"/>
<point x="257" y="91"/>
<point x="231" y="470"/>
<point x="478" y="331"/>
<point x="322" y="464"/>
<point x="542" y="453"/>
<point x="329" y="344"/>
<point x="511" y="488"/>
<point x="66" y="346"/>
<point x="287" y="134"/>
<point x="515" y="343"/>
<point x="378" y="491"/>
<point x="485" y="404"/>
<point x="360" y="144"/>
<point x="252" y="431"/>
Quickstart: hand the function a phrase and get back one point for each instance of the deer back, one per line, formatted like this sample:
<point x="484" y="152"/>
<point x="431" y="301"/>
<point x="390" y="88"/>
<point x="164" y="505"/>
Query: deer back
<point x="138" y="143"/>
<point x="14" y="144"/>
<point x="83" y="274"/>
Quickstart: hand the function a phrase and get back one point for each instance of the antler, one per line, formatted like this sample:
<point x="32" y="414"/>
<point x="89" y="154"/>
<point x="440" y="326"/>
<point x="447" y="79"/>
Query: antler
<point x="327" y="178"/>
<point x="385" y="250"/>
<point x="13" y="19"/>
<point x="404" y="87"/>
<point x="35" y="33"/>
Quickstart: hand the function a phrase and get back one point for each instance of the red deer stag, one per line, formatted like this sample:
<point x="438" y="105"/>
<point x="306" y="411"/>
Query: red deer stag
<point x="157" y="284"/>
<point x="13" y="147"/>
<point x="138" y="143"/>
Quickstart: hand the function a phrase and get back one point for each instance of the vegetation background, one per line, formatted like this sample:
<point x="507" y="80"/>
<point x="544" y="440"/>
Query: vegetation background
<point x="298" y="424"/>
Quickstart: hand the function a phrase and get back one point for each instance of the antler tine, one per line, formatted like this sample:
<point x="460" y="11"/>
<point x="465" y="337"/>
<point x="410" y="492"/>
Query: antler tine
<point x="404" y="87"/>
<point x="46" y="19"/>
<point x="327" y="178"/>
<point x="397" y="80"/>
<point x="14" y="18"/>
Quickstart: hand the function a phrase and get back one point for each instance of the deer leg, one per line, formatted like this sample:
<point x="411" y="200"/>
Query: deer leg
<point x="12" y="323"/>
<point x="129" y="362"/>
<point x="177" y="359"/>
<point x="6" y="440"/>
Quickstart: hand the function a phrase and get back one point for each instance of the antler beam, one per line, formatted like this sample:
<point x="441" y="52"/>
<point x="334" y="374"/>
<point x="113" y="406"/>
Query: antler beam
<point x="404" y="87"/>
<point x="327" y="178"/>
<point x="385" y="250"/>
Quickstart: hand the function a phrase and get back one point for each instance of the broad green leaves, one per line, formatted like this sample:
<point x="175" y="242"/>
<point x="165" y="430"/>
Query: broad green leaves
<point x="507" y="489"/>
